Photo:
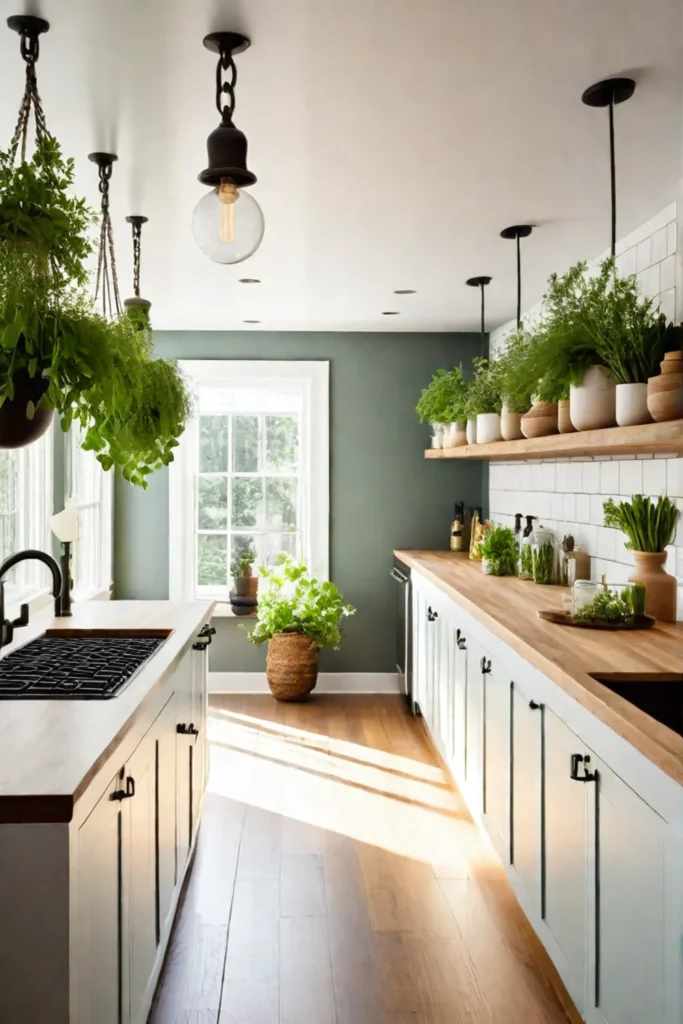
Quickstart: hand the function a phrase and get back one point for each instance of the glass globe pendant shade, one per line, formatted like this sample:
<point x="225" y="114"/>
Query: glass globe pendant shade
<point x="228" y="224"/>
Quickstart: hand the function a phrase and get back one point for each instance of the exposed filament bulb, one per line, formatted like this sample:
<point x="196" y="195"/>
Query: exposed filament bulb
<point x="228" y="195"/>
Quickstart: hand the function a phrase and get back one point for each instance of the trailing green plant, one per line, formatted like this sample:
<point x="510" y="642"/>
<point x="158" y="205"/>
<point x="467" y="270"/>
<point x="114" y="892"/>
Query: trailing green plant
<point x="293" y="601"/>
<point x="483" y="393"/>
<point x="543" y="561"/>
<point x="613" y="605"/>
<point x="499" y="550"/>
<point x="443" y="401"/>
<point x="241" y="565"/>
<point x="98" y="373"/>
<point x="648" y="526"/>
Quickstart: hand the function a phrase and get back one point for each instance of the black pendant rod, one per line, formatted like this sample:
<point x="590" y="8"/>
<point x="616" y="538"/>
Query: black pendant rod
<point x="518" y="231"/>
<point x="481" y="282"/>
<point x="606" y="94"/>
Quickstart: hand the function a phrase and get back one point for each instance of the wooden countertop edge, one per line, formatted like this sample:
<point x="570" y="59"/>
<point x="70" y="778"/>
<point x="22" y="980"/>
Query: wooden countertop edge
<point x="58" y="808"/>
<point x="644" y="733"/>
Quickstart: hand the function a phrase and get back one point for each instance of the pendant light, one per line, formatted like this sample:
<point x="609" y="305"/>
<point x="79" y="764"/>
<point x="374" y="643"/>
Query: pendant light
<point x="136" y="303"/>
<point x="228" y="222"/>
<point x="106" y="281"/>
<point x="608" y="93"/>
<point x="481" y="282"/>
<point x="518" y="231"/>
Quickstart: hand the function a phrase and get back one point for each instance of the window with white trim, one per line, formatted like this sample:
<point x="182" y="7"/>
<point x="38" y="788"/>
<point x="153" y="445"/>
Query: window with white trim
<point x="87" y="482"/>
<point x="251" y="472"/>
<point x="25" y="510"/>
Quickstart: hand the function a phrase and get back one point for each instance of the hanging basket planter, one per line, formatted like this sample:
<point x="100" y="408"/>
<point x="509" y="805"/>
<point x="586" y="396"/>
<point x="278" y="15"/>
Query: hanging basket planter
<point x="17" y="427"/>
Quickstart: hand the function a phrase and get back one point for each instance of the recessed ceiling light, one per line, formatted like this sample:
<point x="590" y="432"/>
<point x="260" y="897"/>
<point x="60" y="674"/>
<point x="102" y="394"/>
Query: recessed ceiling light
<point x="405" y="291"/>
<point x="249" y="280"/>
<point x="251" y="321"/>
<point x="391" y="312"/>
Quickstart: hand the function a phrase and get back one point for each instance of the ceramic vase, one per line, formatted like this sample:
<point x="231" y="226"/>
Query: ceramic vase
<point x="488" y="428"/>
<point x="454" y="435"/>
<point x="631" y="405"/>
<point x="541" y="420"/>
<point x="564" y="421"/>
<point x="592" y="403"/>
<point x="437" y="435"/>
<point x="510" y="425"/>
<point x="660" y="586"/>
<point x="665" y="392"/>
<point x="471" y="431"/>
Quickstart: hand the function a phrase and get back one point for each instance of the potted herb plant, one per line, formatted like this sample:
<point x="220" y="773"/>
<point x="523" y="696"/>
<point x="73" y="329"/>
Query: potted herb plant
<point x="499" y="551"/>
<point x="442" y="404"/>
<point x="649" y="528"/>
<point x="298" y="615"/>
<point x="515" y="389"/>
<point x="245" y="584"/>
<point x="532" y="373"/>
<point x="484" y="401"/>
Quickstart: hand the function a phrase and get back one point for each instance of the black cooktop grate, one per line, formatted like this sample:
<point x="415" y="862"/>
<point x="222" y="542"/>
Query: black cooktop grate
<point x="84" y="668"/>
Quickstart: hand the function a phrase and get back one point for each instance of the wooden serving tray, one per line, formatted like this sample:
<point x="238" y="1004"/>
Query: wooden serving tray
<point x="565" y="619"/>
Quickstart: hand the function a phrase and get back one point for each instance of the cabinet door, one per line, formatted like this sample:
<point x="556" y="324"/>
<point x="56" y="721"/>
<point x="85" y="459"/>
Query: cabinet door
<point x="183" y="788"/>
<point x="98" y="966"/>
<point x="475" y="726"/>
<point x="139" y="873"/>
<point x="627" y="934"/>
<point x="526" y="764"/>
<point x="199" y="746"/>
<point x="419" y="628"/>
<point x="165" y="738"/>
<point x="565" y="848"/>
<point x="459" y="684"/>
<point x="497" y="693"/>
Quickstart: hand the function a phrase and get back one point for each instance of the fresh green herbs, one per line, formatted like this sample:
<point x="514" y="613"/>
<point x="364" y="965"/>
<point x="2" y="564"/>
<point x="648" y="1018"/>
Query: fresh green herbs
<point x="499" y="551"/>
<point x="543" y="561"/>
<point x="293" y="601"/>
<point x="526" y="562"/>
<point x="613" y="605"/>
<point x="483" y="395"/>
<point x="444" y="400"/>
<point x="648" y="526"/>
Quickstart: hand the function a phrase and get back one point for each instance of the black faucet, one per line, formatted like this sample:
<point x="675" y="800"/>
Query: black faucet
<point x="60" y="592"/>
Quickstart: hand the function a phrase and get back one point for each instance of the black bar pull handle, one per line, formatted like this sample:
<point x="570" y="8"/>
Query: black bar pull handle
<point x="186" y="730"/>
<point x="207" y="631"/>
<point x="460" y="640"/>
<point x="578" y="761"/>
<point x="130" y="786"/>
<point x="533" y="705"/>
<point x="485" y="666"/>
<point x="431" y="614"/>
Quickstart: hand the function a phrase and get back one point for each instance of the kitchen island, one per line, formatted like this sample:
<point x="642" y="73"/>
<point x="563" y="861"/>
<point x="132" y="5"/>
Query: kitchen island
<point x="579" y="791"/>
<point x="100" y="802"/>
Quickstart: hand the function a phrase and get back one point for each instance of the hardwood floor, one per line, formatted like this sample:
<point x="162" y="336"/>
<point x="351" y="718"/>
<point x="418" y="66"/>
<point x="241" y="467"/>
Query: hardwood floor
<point x="339" y="879"/>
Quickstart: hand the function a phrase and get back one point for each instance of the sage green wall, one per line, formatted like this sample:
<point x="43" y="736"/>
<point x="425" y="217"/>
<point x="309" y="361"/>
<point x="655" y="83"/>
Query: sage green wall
<point x="384" y="493"/>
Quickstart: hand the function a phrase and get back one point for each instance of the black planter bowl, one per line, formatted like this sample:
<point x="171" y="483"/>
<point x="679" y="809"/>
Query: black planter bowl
<point x="16" y="429"/>
<point x="244" y="600"/>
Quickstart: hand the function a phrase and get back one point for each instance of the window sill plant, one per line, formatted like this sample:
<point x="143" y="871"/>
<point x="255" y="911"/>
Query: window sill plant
<point x="298" y="615"/>
<point x="649" y="528"/>
<point x="243" y="597"/>
<point x="499" y="552"/>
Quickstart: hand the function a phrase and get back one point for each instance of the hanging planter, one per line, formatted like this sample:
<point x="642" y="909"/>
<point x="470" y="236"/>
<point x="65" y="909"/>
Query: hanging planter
<point x="22" y="420"/>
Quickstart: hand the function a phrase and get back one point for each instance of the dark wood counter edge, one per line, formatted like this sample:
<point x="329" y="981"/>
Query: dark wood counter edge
<point x="51" y="809"/>
<point x="587" y="691"/>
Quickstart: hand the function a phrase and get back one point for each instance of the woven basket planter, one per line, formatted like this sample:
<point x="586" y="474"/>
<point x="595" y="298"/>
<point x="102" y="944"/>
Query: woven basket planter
<point x="291" y="666"/>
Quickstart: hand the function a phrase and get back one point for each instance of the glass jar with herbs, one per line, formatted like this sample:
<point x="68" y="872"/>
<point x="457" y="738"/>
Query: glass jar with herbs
<point x="543" y="556"/>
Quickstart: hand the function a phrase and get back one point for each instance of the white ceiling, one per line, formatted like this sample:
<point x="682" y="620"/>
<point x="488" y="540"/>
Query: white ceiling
<point x="392" y="140"/>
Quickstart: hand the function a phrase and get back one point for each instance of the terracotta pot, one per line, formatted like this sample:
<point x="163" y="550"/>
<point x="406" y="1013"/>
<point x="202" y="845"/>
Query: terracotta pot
<point x="660" y="586"/>
<point x="454" y="435"/>
<point x="672" y="366"/>
<point x="592" y="403"/>
<point x="471" y="431"/>
<point x="16" y="430"/>
<point x="488" y="428"/>
<point x="253" y="586"/>
<point x="631" y="405"/>
<point x="510" y="425"/>
<point x="541" y="420"/>
<point x="664" y="399"/>
<point x="563" y="418"/>
<point x="291" y="666"/>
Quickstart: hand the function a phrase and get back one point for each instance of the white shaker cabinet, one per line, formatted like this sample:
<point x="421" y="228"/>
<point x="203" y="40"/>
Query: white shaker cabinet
<point x="474" y="765"/>
<point x="497" y="696"/>
<point x="526" y="737"/>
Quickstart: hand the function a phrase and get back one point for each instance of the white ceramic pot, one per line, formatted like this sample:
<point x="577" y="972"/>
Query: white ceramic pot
<point x="471" y="431"/>
<point x="592" y="403"/>
<point x="510" y="425"/>
<point x="437" y="435"/>
<point x="488" y="428"/>
<point x="454" y="435"/>
<point x="632" y="405"/>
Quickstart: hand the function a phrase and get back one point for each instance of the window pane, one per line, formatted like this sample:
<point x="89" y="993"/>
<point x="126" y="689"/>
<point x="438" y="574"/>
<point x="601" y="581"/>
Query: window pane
<point x="242" y="544"/>
<point x="281" y="498"/>
<point x="247" y="502"/>
<point x="245" y="444"/>
<point x="277" y="543"/>
<point x="282" y="443"/>
<point x="213" y="444"/>
<point x="8" y="505"/>
<point x="212" y="502"/>
<point x="213" y="561"/>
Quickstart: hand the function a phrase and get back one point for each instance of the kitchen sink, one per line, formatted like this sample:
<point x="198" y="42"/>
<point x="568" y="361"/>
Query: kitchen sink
<point x="77" y="664"/>
<point x="659" y="695"/>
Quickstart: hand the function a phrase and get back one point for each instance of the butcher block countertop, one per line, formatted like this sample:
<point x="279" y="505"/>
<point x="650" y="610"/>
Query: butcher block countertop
<point x="51" y="749"/>
<point x="507" y="606"/>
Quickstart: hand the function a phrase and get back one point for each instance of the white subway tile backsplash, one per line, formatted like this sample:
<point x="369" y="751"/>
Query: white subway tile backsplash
<point x="590" y="477"/>
<point x="556" y="506"/>
<point x="609" y="477"/>
<point x="597" y="514"/>
<point x="606" y="546"/>
<point x="671" y="239"/>
<point x="654" y="477"/>
<point x="667" y="274"/>
<point x="659" y="252"/>
<point x="631" y="477"/>
<point x="667" y="304"/>
<point x="648" y="282"/>
<point x="644" y="254"/>
<point x="674" y="472"/>
<point x="627" y="262"/>
<point x="541" y="506"/>
<point x="570" y="507"/>
<point x="583" y="508"/>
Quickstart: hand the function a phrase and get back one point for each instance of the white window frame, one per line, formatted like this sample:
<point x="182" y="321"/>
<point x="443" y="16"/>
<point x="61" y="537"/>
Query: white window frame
<point x="312" y="381"/>
<point x="103" y="488"/>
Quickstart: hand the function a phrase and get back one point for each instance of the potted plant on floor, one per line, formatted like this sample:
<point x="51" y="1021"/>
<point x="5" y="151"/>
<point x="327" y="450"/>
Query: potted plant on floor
<point x="484" y="401"/>
<point x="499" y="552"/>
<point x="298" y="615"/>
<point x="650" y="528"/>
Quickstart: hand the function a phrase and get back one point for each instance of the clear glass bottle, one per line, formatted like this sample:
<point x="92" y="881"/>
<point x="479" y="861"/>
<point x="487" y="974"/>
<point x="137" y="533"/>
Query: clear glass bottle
<point x="526" y="565"/>
<point x="544" y="561"/>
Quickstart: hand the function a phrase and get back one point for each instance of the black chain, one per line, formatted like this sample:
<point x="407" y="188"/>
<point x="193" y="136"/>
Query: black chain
<point x="30" y="51"/>
<point x="137" y="244"/>
<point x="107" y="277"/>
<point x="226" y="86"/>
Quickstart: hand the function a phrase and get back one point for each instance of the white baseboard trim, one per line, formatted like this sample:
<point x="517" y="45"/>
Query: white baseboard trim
<point x="328" y="682"/>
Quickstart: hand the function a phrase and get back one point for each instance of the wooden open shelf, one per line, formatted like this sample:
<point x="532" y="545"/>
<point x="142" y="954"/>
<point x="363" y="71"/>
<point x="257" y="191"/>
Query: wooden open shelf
<point x="648" y="439"/>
